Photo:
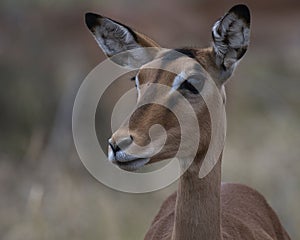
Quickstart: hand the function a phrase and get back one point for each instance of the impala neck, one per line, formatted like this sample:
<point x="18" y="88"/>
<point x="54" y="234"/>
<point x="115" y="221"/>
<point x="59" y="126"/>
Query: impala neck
<point x="198" y="209"/>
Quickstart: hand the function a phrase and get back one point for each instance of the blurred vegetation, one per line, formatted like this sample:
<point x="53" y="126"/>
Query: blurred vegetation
<point x="46" y="51"/>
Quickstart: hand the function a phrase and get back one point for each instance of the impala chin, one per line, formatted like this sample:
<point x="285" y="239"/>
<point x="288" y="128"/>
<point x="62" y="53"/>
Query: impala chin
<point x="126" y="161"/>
<point x="132" y="165"/>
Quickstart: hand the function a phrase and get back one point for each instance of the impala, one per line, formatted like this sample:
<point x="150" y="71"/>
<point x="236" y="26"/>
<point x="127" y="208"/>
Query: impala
<point x="202" y="208"/>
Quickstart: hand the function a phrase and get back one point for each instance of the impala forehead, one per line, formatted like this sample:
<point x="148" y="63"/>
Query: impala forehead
<point x="170" y="68"/>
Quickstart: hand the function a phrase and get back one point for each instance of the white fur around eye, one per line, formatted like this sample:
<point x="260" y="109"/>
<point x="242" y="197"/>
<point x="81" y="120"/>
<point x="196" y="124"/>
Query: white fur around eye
<point x="137" y="83"/>
<point x="180" y="78"/>
<point x="196" y="81"/>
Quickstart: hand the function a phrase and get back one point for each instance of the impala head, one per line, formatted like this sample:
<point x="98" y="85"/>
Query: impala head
<point x="137" y="142"/>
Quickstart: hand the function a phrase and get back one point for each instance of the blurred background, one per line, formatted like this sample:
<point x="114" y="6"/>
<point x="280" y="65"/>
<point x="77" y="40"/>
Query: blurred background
<point x="46" y="52"/>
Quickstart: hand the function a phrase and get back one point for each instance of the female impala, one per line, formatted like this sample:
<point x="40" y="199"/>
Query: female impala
<point x="202" y="208"/>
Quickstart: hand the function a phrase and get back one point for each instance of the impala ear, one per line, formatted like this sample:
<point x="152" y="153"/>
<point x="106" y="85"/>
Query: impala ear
<point x="231" y="39"/>
<point x="114" y="38"/>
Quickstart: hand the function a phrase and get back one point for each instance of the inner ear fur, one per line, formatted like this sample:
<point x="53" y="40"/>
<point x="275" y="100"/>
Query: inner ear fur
<point x="231" y="36"/>
<point x="114" y="38"/>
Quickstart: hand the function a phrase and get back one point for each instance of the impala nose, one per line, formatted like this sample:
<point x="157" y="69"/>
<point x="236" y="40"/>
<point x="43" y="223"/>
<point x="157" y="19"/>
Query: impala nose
<point x="121" y="144"/>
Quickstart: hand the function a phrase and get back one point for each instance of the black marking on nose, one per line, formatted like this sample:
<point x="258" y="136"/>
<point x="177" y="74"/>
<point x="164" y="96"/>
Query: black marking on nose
<point x="114" y="148"/>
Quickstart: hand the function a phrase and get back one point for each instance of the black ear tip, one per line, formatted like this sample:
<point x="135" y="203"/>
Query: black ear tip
<point x="91" y="19"/>
<point x="242" y="11"/>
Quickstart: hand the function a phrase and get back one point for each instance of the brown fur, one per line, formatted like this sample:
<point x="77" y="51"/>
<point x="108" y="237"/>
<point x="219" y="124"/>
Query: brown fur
<point x="202" y="208"/>
<point x="245" y="215"/>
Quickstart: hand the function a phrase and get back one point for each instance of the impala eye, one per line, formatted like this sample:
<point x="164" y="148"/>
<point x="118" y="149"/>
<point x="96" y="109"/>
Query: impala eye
<point x="188" y="86"/>
<point x="193" y="84"/>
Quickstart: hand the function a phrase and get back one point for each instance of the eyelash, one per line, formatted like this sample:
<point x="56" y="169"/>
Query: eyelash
<point x="133" y="79"/>
<point x="188" y="86"/>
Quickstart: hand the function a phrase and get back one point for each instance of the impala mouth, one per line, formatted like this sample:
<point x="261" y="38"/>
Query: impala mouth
<point x="126" y="161"/>
<point x="132" y="165"/>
